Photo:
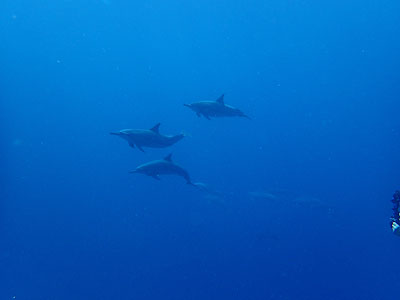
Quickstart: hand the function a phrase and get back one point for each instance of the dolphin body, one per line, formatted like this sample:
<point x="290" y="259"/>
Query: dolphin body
<point x="261" y="195"/>
<point x="206" y="189"/>
<point x="163" y="166"/>
<point x="150" y="138"/>
<point x="215" y="109"/>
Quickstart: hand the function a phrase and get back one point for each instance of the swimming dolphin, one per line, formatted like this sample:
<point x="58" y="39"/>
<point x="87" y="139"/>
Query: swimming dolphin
<point x="263" y="195"/>
<point x="205" y="188"/>
<point x="162" y="167"/>
<point x="148" y="137"/>
<point x="215" y="109"/>
<point x="312" y="203"/>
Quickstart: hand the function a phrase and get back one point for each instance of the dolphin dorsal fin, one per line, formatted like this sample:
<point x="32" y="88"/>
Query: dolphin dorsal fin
<point x="220" y="100"/>
<point x="156" y="128"/>
<point x="168" y="157"/>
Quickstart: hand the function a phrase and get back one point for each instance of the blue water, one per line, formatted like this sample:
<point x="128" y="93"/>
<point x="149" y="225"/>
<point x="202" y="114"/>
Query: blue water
<point x="300" y="200"/>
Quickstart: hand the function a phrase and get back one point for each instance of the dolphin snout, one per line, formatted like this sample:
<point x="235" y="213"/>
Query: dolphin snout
<point x="115" y="133"/>
<point x="187" y="105"/>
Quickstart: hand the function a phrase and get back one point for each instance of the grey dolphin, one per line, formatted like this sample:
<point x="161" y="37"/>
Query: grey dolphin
<point x="205" y="188"/>
<point x="262" y="195"/>
<point x="312" y="203"/>
<point x="215" y="109"/>
<point x="162" y="167"/>
<point x="150" y="138"/>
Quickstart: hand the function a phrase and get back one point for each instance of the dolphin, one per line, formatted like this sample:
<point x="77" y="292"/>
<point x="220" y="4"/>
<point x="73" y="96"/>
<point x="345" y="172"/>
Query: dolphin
<point x="312" y="203"/>
<point x="205" y="188"/>
<point x="215" y="109"/>
<point x="262" y="195"/>
<point x="163" y="166"/>
<point x="150" y="138"/>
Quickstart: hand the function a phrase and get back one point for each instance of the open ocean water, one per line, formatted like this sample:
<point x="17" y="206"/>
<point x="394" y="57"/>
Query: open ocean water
<point x="294" y="204"/>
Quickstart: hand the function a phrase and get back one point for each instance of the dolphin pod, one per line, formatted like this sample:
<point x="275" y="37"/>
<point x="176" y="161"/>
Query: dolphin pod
<point x="151" y="138"/>
<point x="216" y="109"/>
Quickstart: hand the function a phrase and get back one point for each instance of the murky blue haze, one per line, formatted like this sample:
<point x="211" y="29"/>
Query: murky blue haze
<point x="299" y="197"/>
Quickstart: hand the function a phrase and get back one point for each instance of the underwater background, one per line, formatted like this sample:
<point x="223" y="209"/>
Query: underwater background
<point x="298" y="204"/>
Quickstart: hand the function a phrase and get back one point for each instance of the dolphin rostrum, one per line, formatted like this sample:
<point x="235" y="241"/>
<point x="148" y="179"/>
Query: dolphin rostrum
<point x="163" y="166"/>
<point x="215" y="109"/>
<point x="150" y="138"/>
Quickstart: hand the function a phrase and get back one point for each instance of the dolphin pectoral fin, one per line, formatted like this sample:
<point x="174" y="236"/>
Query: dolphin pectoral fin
<point x="207" y="117"/>
<point x="132" y="145"/>
<point x="140" y="148"/>
<point x="156" y="177"/>
<point x="199" y="115"/>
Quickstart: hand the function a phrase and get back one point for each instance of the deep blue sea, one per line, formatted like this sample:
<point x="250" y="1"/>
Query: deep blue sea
<point x="297" y="204"/>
